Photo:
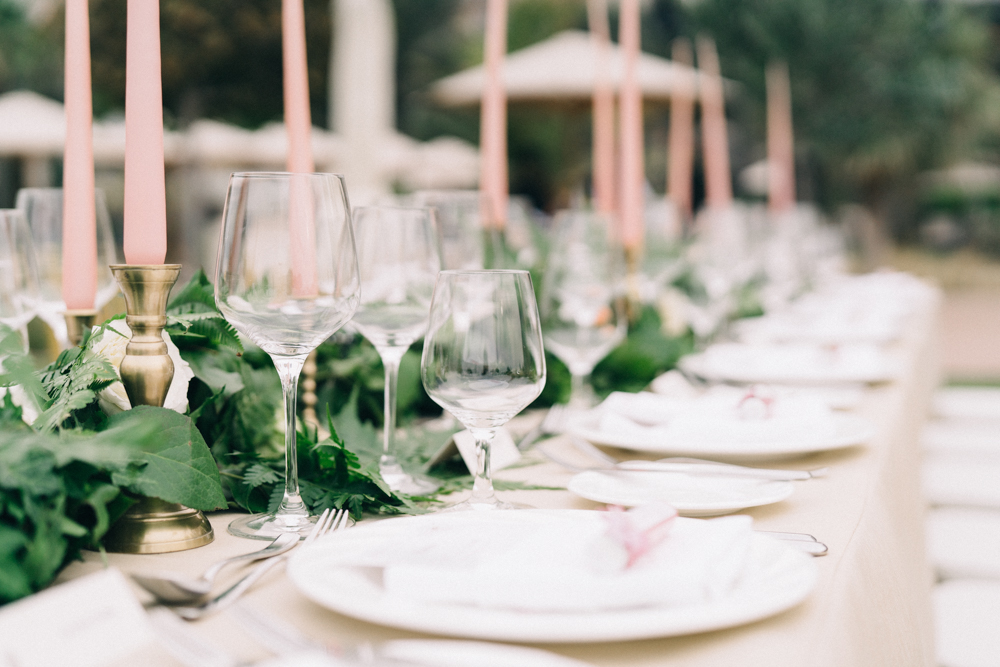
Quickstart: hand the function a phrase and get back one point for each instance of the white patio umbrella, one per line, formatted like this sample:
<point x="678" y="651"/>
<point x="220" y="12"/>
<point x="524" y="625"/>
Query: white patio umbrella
<point x="563" y="68"/>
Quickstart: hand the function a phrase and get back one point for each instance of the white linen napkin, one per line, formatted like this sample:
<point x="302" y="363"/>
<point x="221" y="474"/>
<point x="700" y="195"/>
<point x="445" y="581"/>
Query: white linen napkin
<point x="562" y="566"/>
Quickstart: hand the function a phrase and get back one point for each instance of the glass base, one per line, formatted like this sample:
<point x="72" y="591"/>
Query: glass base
<point x="269" y="526"/>
<point x="400" y="480"/>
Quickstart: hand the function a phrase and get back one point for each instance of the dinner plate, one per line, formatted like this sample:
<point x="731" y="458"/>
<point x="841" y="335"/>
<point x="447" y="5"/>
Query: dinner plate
<point x="690" y="495"/>
<point x="773" y="578"/>
<point x="791" y="364"/>
<point x="848" y="431"/>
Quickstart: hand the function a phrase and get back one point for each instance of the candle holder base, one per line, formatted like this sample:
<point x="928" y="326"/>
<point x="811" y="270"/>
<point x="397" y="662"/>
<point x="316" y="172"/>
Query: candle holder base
<point x="77" y="323"/>
<point x="151" y="526"/>
<point x="154" y="526"/>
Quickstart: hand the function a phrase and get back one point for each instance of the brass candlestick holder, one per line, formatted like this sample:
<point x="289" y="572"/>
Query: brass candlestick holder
<point x="151" y="526"/>
<point x="78" y="322"/>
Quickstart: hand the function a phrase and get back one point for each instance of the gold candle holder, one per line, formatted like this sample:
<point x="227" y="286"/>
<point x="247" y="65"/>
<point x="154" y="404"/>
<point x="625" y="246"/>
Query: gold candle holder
<point x="77" y="323"/>
<point x="152" y="525"/>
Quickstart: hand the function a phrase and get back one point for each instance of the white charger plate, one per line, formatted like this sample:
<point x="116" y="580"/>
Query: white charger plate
<point x="690" y="495"/>
<point x="848" y="431"/>
<point x="776" y="577"/>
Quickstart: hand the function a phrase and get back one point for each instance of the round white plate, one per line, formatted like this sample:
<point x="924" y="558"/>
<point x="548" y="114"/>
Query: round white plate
<point x="452" y="653"/>
<point x="776" y="577"/>
<point x="746" y="369"/>
<point x="848" y="430"/>
<point x="690" y="495"/>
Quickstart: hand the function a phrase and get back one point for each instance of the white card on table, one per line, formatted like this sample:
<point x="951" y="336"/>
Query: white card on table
<point x="503" y="451"/>
<point x="92" y="621"/>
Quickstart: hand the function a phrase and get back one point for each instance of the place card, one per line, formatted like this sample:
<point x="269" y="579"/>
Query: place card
<point x="88" y="622"/>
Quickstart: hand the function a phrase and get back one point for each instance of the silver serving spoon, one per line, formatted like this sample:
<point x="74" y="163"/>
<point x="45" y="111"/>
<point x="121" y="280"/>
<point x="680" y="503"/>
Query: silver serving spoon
<point x="174" y="588"/>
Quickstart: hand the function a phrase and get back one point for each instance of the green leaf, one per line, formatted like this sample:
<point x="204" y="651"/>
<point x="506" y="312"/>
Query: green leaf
<point x="178" y="468"/>
<point x="72" y="383"/>
<point x="258" y="474"/>
<point x="18" y="368"/>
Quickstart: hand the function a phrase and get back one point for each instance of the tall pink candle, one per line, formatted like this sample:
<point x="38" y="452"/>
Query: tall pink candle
<point x="145" y="190"/>
<point x="680" y="148"/>
<point x="298" y="123"/>
<point x="493" y="122"/>
<point x="296" y="85"/>
<point x="79" y="241"/>
<point x="632" y="224"/>
<point x="603" y="108"/>
<point x="780" y="140"/>
<point x="715" y="139"/>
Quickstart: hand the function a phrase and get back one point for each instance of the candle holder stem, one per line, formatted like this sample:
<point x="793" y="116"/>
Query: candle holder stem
<point x="151" y="525"/>
<point x="78" y="322"/>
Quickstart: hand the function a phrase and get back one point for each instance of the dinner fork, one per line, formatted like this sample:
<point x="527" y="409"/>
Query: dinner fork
<point x="327" y="522"/>
<point x="553" y="423"/>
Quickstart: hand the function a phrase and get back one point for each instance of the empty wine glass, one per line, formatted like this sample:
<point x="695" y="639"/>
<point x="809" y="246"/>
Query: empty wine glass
<point x="43" y="208"/>
<point x="399" y="262"/>
<point x="583" y="297"/>
<point x="18" y="272"/>
<point x="287" y="278"/>
<point x="483" y="359"/>
<point x="466" y="243"/>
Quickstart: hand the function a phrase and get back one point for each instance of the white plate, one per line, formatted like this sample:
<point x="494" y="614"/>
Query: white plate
<point x="848" y="430"/>
<point x="776" y="577"/>
<point x="785" y="365"/>
<point x="452" y="653"/>
<point x="690" y="495"/>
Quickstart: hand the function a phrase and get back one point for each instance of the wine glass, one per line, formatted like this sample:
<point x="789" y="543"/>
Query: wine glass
<point x="399" y="261"/>
<point x="43" y="208"/>
<point x="18" y="272"/>
<point x="583" y="297"/>
<point x="466" y="243"/>
<point x="483" y="358"/>
<point x="287" y="278"/>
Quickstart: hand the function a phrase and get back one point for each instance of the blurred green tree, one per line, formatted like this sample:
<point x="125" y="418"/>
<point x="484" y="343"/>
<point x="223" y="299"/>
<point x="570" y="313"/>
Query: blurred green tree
<point x="26" y="57"/>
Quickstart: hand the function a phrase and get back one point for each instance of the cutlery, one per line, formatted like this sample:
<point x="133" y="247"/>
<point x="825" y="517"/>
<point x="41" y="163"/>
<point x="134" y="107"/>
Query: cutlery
<point x="553" y="423"/>
<point x="800" y="541"/>
<point x="328" y="522"/>
<point x="175" y="588"/>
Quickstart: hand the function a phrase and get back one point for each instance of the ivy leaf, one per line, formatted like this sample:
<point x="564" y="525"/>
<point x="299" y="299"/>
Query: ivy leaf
<point x="178" y="468"/>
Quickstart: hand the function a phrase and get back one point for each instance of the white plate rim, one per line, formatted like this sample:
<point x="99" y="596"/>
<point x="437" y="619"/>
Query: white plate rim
<point x="788" y="580"/>
<point x="785" y="489"/>
<point x="695" y="365"/>
<point x="850" y="430"/>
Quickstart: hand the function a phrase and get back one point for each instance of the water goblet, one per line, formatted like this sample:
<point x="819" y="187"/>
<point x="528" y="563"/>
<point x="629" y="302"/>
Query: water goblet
<point x="18" y="272"/>
<point x="483" y="359"/>
<point x="287" y="278"/>
<point x="399" y="261"/>
<point x="582" y="308"/>
<point x="43" y="208"/>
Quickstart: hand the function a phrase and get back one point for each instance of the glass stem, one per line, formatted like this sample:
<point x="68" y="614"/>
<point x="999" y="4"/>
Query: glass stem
<point x="292" y="509"/>
<point x="391" y="357"/>
<point x="482" y="487"/>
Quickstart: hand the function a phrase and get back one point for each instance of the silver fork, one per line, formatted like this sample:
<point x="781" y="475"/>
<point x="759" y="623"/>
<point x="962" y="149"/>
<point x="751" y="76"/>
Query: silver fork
<point x="554" y="423"/>
<point x="327" y="522"/>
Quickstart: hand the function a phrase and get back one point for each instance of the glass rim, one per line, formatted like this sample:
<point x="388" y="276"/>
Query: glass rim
<point x="282" y="174"/>
<point x="476" y="272"/>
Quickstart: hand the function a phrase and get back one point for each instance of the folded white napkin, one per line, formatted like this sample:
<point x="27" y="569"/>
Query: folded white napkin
<point x="798" y="362"/>
<point x="564" y="566"/>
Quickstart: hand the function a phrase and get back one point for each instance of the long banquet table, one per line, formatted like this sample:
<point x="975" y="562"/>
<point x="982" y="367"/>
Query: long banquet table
<point x="871" y="604"/>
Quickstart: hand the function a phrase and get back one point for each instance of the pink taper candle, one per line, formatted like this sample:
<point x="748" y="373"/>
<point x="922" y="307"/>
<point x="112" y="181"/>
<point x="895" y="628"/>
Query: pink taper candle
<point x="780" y="141"/>
<point x="493" y="122"/>
<point x="297" y="118"/>
<point x="715" y="139"/>
<point x="79" y="260"/>
<point x="298" y="124"/>
<point x="145" y="191"/>
<point x="632" y="224"/>
<point x="604" y="108"/>
<point x="680" y="149"/>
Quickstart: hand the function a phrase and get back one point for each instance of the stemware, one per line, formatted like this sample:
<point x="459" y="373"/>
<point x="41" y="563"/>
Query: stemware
<point x="582" y="306"/>
<point x="466" y="243"/>
<point x="399" y="261"/>
<point x="287" y="278"/>
<point x="18" y="272"/>
<point x="43" y="208"/>
<point x="483" y="359"/>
